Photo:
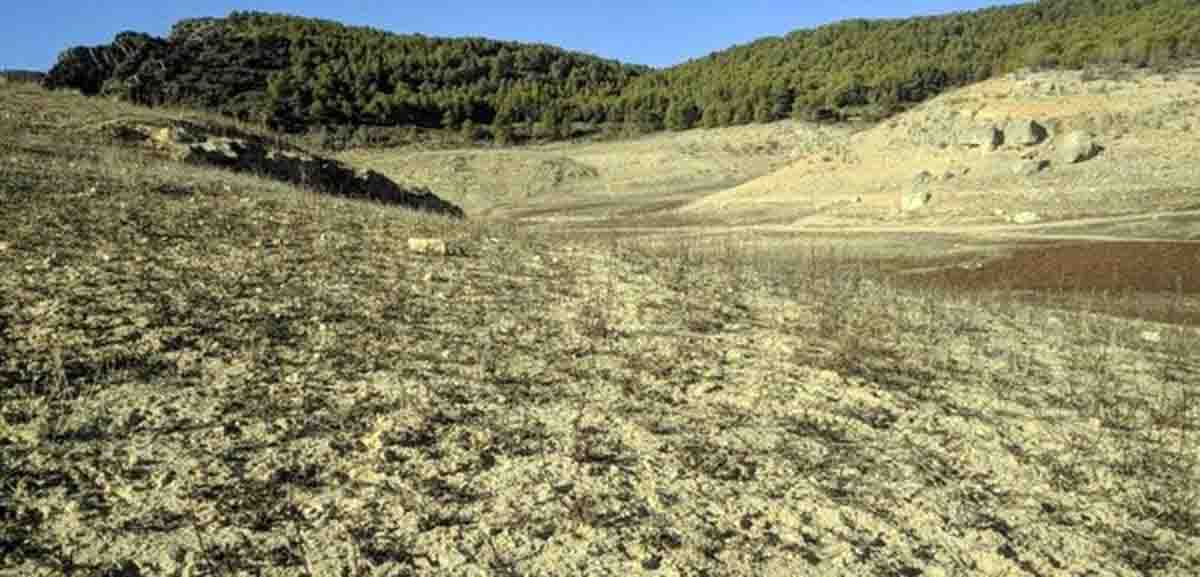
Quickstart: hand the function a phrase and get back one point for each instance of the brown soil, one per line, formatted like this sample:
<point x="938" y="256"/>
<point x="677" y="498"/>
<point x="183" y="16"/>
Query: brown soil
<point x="1140" y="279"/>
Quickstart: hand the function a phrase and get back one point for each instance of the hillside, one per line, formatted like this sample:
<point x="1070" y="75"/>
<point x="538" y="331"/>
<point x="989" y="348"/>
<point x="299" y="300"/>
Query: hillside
<point x="874" y="68"/>
<point x="991" y="212"/>
<point x="1143" y="121"/>
<point x="299" y="74"/>
<point x="807" y="175"/>
<point x="294" y="73"/>
<point x="208" y="373"/>
<point x="590" y="181"/>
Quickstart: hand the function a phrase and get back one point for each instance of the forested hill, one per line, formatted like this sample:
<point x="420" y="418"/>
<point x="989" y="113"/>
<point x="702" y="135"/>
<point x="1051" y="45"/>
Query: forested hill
<point x="876" y="68"/>
<point x="296" y="73"/>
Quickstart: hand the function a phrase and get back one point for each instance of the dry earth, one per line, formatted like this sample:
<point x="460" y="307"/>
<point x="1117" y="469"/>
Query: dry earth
<point x="209" y="374"/>
<point x="1145" y="122"/>
<point x="807" y="175"/>
<point x="604" y="181"/>
<point x="809" y="183"/>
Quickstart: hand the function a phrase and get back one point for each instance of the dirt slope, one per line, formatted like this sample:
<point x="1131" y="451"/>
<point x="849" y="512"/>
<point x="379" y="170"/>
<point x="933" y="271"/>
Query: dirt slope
<point x="603" y="179"/>
<point x="1147" y="123"/>
<point x="808" y="175"/>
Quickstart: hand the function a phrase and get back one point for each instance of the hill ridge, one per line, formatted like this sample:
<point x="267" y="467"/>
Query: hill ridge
<point x="300" y="74"/>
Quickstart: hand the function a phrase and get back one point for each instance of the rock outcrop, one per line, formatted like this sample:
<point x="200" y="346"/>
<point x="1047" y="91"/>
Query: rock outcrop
<point x="1024" y="133"/>
<point x="256" y="155"/>
<point x="1030" y="167"/>
<point x="918" y="196"/>
<point x="1078" y="146"/>
<point x="986" y="137"/>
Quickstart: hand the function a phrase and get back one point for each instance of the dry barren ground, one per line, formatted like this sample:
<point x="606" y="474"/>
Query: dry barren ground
<point x="824" y="177"/>
<point x="1145" y="121"/>
<point x="604" y="181"/>
<point x="204" y="374"/>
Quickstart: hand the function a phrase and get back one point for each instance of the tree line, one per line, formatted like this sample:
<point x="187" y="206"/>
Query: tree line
<point x="298" y="74"/>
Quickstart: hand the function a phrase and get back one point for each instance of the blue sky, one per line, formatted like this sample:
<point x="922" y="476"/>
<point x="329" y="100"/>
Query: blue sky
<point x="654" y="32"/>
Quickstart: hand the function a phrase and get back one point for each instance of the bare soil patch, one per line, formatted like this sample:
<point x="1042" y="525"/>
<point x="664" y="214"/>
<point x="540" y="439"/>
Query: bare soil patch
<point x="1172" y="268"/>
<point x="1144" y="279"/>
<point x="1144" y="121"/>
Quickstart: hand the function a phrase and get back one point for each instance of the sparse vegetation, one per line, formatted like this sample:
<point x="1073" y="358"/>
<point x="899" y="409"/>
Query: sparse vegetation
<point x="205" y="373"/>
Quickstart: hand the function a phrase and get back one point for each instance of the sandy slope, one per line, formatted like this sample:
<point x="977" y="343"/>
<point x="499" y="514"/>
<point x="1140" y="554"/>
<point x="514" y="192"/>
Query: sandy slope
<point x="812" y="176"/>
<point x="1145" y="121"/>
<point x="602" y="178"/>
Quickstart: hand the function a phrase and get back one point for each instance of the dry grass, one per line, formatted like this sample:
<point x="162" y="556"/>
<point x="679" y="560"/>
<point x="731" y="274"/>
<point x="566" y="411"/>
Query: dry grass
<point x="207" y="374"/>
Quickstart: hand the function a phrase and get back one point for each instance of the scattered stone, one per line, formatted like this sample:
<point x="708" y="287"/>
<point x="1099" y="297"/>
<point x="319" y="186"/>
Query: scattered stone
<point x="1078" y="146"/>
<point x="915" y="200"/>
<point x="1024" y="133"/>
<point x="438" y="247"/>
<point x="428" y="246"/>
<point x="918" y="196"/>
<point x="1030" y="167"/>
<point x="1027" y="217"/>
<point x="1151" y="336"/>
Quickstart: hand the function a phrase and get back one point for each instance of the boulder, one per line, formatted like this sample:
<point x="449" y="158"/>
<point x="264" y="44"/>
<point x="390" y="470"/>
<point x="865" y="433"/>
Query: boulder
<point x="1024" y="133"/>
<point x="918" y="196"/>
<point x="427" y="246"/>
<point x="986" y="137"/>
<point x="1030" y="167"/>
<point x="1078" y="146"/>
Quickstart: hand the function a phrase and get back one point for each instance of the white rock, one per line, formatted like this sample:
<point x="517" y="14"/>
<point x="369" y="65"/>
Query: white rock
<point x="1078" y="146"/>
<point x="914" y="200"/>
<point x="428" y="246"/>
<point x="1026" y="217"/>
<point x="1024" y="133"/>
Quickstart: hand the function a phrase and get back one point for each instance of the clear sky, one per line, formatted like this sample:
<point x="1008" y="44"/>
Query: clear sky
<point x="655" y="32"/>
